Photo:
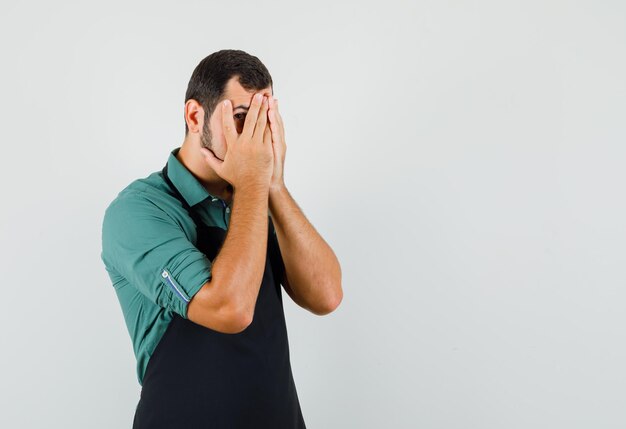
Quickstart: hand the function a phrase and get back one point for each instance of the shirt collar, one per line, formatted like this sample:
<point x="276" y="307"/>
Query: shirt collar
<point x="192" y="191"/>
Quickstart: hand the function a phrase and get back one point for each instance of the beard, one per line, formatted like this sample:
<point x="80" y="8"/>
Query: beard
<point x="206" y="141"/>
<point x="206" y="138"/>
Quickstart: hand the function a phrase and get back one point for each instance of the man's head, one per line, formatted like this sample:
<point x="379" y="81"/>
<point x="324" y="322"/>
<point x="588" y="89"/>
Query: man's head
<point x="226" y="74"/>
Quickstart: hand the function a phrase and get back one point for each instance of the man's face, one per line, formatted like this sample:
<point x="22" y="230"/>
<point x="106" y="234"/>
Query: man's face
<point x="212" y="136"/>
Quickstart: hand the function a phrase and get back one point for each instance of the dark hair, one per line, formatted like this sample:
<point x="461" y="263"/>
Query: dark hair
<point x="209" y="78"/>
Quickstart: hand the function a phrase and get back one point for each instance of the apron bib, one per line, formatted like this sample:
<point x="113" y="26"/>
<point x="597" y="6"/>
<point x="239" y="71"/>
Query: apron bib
<point x="201" y="378"/>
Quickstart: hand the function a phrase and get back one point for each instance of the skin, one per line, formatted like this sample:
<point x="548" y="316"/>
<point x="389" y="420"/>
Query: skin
<point x="312" y="272"/>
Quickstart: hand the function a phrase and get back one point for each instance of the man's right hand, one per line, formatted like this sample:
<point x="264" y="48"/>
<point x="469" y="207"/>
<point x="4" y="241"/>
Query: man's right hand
<point x="249" y="158"/>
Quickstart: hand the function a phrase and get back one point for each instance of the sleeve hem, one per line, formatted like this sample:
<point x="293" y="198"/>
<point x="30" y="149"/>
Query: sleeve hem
<point x="192" y="293"/>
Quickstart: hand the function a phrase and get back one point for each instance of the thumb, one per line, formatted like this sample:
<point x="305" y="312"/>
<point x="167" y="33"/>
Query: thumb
<point x="212" y="160"/>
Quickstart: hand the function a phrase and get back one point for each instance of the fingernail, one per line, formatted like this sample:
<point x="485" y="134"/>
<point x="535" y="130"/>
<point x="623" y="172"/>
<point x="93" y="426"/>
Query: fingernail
<point x="225" y="103"/>
<point x="258" y="96"/>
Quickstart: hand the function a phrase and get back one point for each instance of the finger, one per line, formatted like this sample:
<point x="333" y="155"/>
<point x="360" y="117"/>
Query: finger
<point x="261" y="121"/>
<point x="277" y="114"/>
<point x="267" y="141"/>
<point x="228" y="123"/>
<point x="273" y="125"/>
<point x="267" y="136"/>
<point x="270" y="109"/>
<point x="251" y="116"/>
<point x="273" y="116"/>
<point x="276" y="121"/>
<point x="214" y="162"/>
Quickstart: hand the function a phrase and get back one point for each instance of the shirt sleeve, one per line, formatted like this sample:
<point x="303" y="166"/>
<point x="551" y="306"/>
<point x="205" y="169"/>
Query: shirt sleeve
<point x="152" y="252"/>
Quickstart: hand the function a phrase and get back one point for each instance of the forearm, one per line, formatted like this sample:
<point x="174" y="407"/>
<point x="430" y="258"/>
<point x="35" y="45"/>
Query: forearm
<point x="313" y="271"/>
<point x="240" y="263"/>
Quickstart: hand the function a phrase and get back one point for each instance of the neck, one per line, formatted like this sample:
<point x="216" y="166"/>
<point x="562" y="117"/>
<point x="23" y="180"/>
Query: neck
<point x="190" y="156"/>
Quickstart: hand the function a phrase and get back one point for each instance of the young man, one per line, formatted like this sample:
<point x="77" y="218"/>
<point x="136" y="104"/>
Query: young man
<point x="197" y="253"/>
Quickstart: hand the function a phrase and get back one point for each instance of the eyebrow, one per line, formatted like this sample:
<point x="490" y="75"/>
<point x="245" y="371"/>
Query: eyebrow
<point x="241" y="106"/>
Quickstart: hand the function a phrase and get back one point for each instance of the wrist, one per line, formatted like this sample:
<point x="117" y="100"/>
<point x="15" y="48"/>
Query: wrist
<point x="251" y="190"/>
<point x="277" y="188"/>
<point x="278" y="197"/>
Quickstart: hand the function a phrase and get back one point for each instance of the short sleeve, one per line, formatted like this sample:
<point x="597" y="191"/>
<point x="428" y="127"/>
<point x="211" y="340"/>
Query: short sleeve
<point x="152" y="252"/>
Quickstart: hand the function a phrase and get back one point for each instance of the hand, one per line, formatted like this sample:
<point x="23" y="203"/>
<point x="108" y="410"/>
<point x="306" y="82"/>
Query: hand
<point x="249" y="156"/>
<point x="278" y="144"/>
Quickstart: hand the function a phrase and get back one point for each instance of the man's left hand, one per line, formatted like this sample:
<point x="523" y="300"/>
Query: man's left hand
<point x="278" y="143"/>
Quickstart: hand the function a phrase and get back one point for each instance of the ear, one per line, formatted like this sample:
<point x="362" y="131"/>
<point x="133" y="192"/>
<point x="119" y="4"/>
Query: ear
<point x="194" y="115"/>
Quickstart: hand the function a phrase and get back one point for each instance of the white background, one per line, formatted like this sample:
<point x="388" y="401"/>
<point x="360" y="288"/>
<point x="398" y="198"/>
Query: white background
<point x="465" y="160"/>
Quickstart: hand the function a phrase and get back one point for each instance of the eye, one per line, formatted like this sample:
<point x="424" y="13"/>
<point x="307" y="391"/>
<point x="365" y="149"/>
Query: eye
<point x="240" y="116"/>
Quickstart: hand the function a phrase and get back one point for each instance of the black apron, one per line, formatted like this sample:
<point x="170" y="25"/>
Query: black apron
<point x="201" y="378"/>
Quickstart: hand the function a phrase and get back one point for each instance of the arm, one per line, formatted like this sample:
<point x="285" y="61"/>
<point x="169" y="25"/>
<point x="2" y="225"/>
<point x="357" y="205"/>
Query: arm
<point x="229" y="298"/>
<point x="226" y="303"/>
<point x="312" y="271"/>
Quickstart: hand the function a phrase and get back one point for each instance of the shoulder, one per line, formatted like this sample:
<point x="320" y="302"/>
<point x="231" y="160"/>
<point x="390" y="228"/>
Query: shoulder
<point x="138" y="208"/>
<point x="148" y="194"/>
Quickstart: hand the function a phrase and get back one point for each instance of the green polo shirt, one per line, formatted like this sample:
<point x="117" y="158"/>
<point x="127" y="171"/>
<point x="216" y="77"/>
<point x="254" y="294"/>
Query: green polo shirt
<point x="149" y="252"/>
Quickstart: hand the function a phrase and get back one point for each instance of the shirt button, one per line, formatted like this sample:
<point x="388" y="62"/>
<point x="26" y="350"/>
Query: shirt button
<point x="227" y="209"/>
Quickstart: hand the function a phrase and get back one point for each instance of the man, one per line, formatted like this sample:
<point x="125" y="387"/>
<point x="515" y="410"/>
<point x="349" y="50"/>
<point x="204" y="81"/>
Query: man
<point x="197" y="253"/>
